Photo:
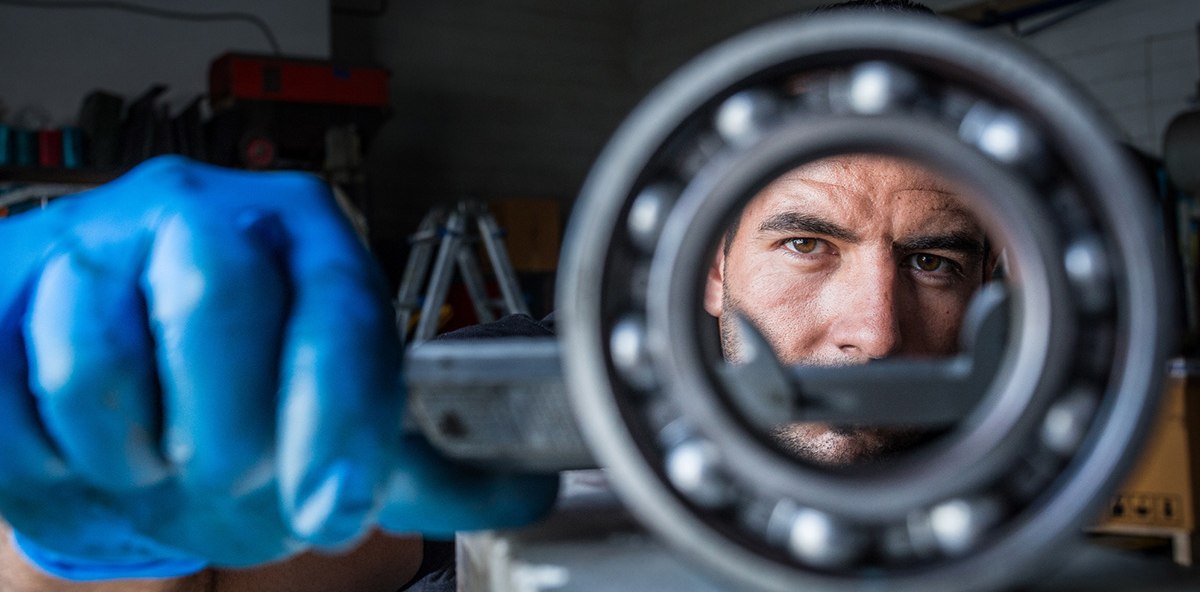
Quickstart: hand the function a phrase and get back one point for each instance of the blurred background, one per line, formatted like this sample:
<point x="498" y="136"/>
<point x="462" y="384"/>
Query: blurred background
<point x="407" y="104"/>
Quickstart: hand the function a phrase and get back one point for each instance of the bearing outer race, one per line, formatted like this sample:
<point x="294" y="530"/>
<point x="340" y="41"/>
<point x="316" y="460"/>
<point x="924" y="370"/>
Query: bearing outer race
<point x="1134" y="384"/>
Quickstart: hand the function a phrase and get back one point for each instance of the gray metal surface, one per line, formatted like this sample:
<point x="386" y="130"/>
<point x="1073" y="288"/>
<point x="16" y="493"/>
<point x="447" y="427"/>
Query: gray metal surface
<point x="591" y="543"/>
<point x="889" y="392"/>
<point x="501" y="403"/>
<point x="493" y="242"/>
<point x="449" y="248"/>
<point x="421" y="245"/>
<point x="504" y="402"/>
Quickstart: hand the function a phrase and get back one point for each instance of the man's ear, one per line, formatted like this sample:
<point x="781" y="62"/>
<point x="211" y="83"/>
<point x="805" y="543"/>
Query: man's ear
<point x="714" y="285"/>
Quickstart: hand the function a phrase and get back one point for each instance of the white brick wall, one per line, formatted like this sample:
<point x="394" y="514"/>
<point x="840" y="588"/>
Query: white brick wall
<point x="1138" y="58"/>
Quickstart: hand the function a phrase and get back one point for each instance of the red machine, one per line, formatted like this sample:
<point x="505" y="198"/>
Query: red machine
<point x="271" y="111"/>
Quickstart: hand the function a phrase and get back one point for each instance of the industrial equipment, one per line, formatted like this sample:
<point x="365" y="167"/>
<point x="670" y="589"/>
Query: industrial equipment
<point x="1042" y="410"/>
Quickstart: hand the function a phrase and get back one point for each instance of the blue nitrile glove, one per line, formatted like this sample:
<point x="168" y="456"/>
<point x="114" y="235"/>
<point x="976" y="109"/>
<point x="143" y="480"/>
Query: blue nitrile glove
<point x="198" y="365"/>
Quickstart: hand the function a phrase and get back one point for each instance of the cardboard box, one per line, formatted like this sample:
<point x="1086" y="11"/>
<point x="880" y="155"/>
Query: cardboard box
<point x="1160" y="495"/>
<point x="533" y="231"/>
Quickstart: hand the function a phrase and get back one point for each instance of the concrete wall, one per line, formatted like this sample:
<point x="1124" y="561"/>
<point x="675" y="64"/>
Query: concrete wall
<point x="51" y="58"/>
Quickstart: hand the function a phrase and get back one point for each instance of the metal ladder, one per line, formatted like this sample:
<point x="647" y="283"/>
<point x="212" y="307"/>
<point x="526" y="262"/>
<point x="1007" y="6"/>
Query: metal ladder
<point x="454" y="231"/>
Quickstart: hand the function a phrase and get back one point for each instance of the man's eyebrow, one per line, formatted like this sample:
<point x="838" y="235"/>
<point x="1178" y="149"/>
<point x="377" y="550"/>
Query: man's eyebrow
<point x="963" y="242"/>
<point x="797" y="223"/>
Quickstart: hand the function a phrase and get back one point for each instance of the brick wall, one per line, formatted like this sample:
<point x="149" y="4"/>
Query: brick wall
<point x="1137" y="57"/>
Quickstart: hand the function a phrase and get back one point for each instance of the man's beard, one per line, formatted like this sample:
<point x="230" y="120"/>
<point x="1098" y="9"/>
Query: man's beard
<point x="827" y="445"/>
<point x="843" y="445"/>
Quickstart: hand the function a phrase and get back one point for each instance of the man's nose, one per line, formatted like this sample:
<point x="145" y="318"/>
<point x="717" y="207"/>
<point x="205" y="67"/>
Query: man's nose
<point x="866" y="325"/>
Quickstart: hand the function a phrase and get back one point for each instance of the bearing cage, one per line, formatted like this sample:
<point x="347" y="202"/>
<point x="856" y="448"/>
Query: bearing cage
<point x="658" y="147"/>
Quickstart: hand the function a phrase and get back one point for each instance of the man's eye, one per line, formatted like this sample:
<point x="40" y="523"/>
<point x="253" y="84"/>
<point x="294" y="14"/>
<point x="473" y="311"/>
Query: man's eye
<point x="804" y="245"/>
<point x="930" y="263"/>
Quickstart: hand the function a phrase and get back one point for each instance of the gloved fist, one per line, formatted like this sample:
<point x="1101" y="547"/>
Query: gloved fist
<point x="199" y="365"/>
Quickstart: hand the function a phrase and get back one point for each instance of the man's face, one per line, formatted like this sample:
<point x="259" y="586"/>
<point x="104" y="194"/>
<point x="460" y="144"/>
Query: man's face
<point x="843" y="261"/>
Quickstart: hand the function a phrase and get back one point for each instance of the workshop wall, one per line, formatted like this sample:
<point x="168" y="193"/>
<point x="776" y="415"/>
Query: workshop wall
<point x="668" y="33"/>
<point x="1139" y="58"/>
<point x="515" y="98"/>
<point x="51" y="58"/>
<point x="493" y="98"/>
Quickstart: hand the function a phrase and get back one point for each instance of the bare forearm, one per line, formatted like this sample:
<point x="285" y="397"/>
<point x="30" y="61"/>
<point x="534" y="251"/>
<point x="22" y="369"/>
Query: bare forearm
<point x="17" y="575"/>
<point x="380" y="564"/>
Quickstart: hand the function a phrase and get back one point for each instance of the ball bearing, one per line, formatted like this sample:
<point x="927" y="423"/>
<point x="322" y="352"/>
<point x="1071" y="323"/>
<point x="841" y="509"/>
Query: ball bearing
<point x="1073" y="382"/>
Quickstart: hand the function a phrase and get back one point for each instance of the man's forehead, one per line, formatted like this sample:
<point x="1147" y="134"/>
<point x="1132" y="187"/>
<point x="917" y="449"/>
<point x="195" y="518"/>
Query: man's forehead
<point x="866" y="181"/>
<point x="868" y="170"/>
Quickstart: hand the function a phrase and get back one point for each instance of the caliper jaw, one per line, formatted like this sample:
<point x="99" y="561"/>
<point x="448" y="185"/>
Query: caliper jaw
<point x="892" y="391"/>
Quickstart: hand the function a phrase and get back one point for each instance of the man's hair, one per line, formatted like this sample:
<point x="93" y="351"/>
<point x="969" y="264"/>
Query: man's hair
<point x="886" y="5"/>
